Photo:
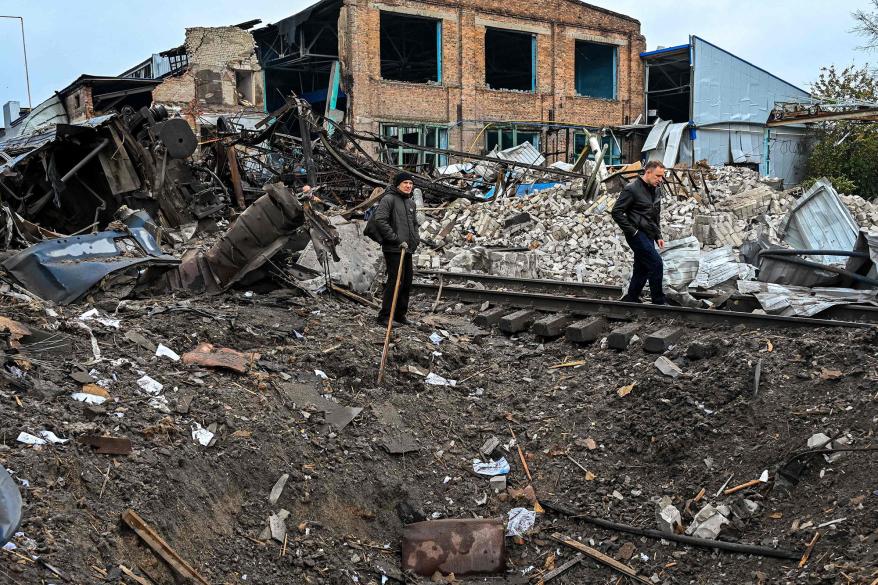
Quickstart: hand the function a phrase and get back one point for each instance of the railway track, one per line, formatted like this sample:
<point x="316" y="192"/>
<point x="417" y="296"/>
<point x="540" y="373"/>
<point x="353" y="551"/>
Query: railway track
<point x="583" y="299"/>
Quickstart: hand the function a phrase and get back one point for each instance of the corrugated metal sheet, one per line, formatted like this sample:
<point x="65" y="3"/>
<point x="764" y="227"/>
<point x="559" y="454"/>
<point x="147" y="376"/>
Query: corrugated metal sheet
<point x="820" y="220"/>
<point x="524" y="153"/>
<point x="654" y="140"/>
<point x="728" y="89"/>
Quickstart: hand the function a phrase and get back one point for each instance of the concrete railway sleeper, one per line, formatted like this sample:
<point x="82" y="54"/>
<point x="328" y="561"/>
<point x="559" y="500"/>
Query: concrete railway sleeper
<point x="583" y="320"/>
<point x="735" y="303"/>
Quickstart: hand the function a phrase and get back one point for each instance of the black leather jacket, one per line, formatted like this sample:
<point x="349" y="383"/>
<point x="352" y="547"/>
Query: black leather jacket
<point x="639" y="208"/>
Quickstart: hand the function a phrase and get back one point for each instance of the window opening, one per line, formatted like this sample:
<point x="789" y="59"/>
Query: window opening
<point x="411" y="48"/>
<point x="510" y="60"/>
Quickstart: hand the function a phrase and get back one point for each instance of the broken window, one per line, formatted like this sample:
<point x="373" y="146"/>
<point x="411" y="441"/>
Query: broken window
<point x="411" y="48"/>
<point x="668" y="84"/>
<point x="504" y="138"/>
<point x="596" y="70"/>
<point x="614" y="148"/>
<point x="510" y="60"/>
<point x="420" y="135"/>
<point x="178" y="61"/>
<point x="246" y="88"/>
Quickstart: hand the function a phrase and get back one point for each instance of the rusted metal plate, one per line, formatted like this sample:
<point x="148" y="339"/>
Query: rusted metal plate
<point x="107" y="445"/>
<point x="208" y="356"/>
<point x="463" y="547"/>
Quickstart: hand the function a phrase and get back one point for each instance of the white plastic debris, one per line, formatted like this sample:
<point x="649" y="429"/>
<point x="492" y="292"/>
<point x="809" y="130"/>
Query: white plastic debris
<point x="667" y="367"/>
<point x="95" y="315"/>
<point x="436" y="338"/>
<point x="160" y="403"/>
<point x="321" y="374"/>
<point x="165" y="351"/>
<point x="29" y="439"/>
<point x="88" y="398"/>
<point x="52" y="437"/>
<point x="149" y="385"/>
<point x="437" y="380"/>
<point x="520" y="521"/>
<point x="491" y="467"/>
<point x="202" y="435"/>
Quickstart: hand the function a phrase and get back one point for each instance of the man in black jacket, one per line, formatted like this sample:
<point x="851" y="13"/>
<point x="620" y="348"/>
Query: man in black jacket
<point x="637" y="211"/>
<point x="397" y="222"/>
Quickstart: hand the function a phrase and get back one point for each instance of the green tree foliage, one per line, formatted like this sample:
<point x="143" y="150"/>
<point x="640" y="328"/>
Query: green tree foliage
<point x="845" y="151"/>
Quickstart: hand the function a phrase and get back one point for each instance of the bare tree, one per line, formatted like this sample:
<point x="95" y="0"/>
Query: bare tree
<point x="867" y="25"/>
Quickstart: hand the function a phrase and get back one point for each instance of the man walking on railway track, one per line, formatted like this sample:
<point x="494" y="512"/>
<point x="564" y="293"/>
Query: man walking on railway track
<point x="637" y="211"/>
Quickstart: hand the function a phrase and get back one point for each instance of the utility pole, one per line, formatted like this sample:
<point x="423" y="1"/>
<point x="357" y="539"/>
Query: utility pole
<point x="24" y="48"/>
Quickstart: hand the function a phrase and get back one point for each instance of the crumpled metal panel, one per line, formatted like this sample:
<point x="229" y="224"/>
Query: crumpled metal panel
<point x="64" y="269"/>
<point x="819" y="220"/>
<point x="258" y="234"/>
<point x="463" y="547"/>
<point x="10" y="506"/>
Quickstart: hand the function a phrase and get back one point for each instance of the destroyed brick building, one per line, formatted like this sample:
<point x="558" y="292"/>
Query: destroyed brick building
<point x="462" y="74"/>
<point x="526" y="426"/>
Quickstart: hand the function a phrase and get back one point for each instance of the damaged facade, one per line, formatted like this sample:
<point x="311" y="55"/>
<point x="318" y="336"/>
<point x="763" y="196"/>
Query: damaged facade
<point x="708" y="104"/>
<point x="464" y="75"/>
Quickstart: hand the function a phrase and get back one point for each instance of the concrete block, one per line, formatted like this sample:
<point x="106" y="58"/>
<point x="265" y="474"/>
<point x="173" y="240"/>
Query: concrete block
<point x="518" y="321"/>
<point x="490" y="317"/>
<point x="586" y="331"/>
<point x="621" y="337"/>
<point x="551" y="325"/>
<point x="661" y="340"/>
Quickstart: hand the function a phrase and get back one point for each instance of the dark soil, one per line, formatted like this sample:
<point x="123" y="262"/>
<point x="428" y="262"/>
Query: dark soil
<point x="667" y="437"/>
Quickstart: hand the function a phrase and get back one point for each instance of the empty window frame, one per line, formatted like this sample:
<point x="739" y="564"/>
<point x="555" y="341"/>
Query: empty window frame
<point x="178" y="61"/>
<point x="416" y="135"/>
<point x="596" y="70"/>
<point x="411" y="48"/>
<point x="245" y="87"/>
<point x="504" y="138"/>
<point x="510" y="60"/>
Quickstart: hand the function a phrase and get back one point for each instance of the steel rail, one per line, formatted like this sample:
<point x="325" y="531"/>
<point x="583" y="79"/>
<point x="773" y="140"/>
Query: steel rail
<point x="622" y="310"/>
<point x="736" y="303"/>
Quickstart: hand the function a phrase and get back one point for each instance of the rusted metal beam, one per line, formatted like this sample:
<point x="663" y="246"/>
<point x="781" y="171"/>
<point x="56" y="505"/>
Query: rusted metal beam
<point x="232" y="156"/>
<point x="161" y="548"/>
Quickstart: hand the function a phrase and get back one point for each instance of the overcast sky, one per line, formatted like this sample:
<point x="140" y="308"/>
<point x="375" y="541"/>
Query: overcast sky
<point x="790" y="38"/>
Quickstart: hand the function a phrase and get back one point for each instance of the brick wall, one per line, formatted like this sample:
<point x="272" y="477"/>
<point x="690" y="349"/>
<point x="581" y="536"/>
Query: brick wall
<point x="557" y="25"/>
<point x="209" y="85"/>
<point x="85" y="109"/>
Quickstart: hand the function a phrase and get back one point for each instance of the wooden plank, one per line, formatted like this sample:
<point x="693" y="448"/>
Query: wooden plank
<point x="161" y="548"/>
<point x="600" y="557"/>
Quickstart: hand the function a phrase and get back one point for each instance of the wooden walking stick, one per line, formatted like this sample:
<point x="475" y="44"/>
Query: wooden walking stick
<point x="390" y="317"/>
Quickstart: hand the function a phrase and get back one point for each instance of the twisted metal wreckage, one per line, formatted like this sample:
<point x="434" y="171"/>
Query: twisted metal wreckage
<point x="134" y="171"/>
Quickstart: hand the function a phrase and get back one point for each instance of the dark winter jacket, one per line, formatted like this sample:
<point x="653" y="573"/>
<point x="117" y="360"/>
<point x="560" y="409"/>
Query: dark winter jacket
<point x="397" y="221"/>
<point x="639" y="208"/>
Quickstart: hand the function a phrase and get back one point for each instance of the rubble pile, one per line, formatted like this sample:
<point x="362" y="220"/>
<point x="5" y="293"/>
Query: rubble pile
<point x="575" y="238"/>
<point x="571" y="236"/>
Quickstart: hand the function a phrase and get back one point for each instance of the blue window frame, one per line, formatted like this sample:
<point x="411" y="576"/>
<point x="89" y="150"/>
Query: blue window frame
<point x="595" y="70"/>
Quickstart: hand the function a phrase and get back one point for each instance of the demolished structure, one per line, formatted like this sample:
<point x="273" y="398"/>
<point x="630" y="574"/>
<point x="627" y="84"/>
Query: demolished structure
<point x="189" y="311"/>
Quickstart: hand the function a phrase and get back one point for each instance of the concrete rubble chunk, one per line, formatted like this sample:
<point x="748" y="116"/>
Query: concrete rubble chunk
<point x="667" y="516"/>
<point x="709" y="522"/>
<point x="661" y="340"/>
<point x="518" y="321"/>
<point x="621" y="338"/>
<point x="586" y="331"/>
<point x="278" y="489"/>
<point x="489" y="446"/>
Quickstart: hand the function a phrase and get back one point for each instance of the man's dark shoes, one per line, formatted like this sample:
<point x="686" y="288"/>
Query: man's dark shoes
<point x="627" y="299"/>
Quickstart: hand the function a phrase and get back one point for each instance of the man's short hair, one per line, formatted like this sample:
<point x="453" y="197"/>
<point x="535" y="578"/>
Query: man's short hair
<point x="654" y="164"/>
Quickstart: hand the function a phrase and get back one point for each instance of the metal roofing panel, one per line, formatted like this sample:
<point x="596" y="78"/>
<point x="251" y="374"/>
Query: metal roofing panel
<point x="820" y="220"/>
